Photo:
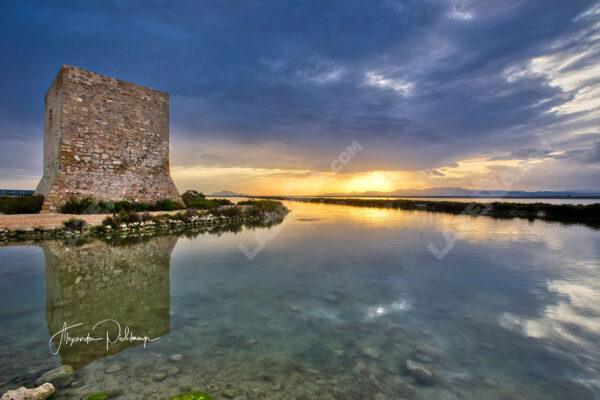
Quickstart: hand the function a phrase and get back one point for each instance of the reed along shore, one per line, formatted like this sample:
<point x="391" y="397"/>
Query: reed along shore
<point x="567" y="213"/>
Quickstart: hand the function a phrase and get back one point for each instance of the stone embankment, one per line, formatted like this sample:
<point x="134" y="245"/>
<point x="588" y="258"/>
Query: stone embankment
<point x="51" y="221"/>
<point x="50" y="226"/>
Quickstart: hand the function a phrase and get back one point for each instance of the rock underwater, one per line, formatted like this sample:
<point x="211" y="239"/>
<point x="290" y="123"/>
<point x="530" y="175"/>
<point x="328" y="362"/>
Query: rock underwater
<point x="39" y="393"/>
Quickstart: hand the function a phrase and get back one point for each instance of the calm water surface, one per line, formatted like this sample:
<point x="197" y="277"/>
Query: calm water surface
<point x="332" y="304"/>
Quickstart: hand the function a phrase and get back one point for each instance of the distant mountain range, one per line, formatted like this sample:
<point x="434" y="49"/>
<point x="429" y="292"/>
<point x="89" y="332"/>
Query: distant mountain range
<point x="227" y="193"/>
<point x="461" y="192"/>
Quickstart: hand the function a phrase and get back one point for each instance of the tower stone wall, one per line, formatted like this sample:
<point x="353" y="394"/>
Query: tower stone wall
<point x="106" y="139"/>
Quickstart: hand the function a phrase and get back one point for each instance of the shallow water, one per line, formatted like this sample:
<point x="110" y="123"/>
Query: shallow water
<point x="330" y="305"/>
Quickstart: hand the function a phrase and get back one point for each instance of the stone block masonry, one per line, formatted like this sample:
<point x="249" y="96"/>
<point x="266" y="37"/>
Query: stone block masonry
<point x="106" y="139"/>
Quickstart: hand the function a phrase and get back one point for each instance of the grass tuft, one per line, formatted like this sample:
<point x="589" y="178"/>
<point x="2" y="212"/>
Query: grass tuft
<point x="87" y="205"/>
<point x="21" y="205"/>
<point x="74" y="224"/>
<point x="193" y="396"/>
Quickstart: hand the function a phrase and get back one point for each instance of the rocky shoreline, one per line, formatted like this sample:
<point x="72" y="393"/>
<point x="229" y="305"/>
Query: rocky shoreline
<point x="168" y="223"/>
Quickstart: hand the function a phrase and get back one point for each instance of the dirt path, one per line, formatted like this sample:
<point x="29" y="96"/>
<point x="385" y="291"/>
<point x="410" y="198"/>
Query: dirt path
<point x="23" y="221"/>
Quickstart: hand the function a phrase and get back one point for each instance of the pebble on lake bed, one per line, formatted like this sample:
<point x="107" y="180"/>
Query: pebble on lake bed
<point x="371" y="353"/>
<point x="113" y="368"/>
<point x="59" y="373"/>
<point x="278" y="386"/>
<point x="332" y="298"/>
<point x="420" y="373"/>
<point x="159" y="377"/>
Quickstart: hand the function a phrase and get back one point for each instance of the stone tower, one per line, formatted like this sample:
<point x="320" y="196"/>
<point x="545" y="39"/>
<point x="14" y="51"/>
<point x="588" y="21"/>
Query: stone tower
<point x="106" y="139"/>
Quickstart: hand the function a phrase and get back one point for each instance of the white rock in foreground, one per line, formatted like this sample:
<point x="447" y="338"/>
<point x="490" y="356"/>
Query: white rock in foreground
<point x="38" y="393"/>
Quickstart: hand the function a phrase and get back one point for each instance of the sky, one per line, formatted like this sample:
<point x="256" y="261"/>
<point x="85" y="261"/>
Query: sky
<point x="305" y="97"/>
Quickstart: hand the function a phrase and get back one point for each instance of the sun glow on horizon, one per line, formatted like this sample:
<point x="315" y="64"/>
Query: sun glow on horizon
<point x="370" y="181"/>
<point x="469" y="174"/>
<point x="289" y="181"/>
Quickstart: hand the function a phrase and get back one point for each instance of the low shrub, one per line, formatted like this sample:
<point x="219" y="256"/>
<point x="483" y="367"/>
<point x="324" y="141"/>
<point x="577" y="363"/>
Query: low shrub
<point x="254" y="212"/>
<point x="123" y="206"/>
<point x="161" y="218"/>
<point x="99" y="229"/>
<point x="74" y="224"/>
<point x="228" y="211"/>
<point x="262" y="205"/>
<point x="192" y="199"/>
<point x="123" y="217"/>
<point x="87" y="205"/>
<point x="21" y="205"/>
<point x="166" y="205"/>
<point x="145" y="217"/>
<point x="192" y="194"/>
<point x="189" y="213"/>
<point x="77" y="206"/>
<point x="110" y="221"/>
<point x="129" y="216"/>
<point x="185" y="216"/>
<point x="200" y="203"/>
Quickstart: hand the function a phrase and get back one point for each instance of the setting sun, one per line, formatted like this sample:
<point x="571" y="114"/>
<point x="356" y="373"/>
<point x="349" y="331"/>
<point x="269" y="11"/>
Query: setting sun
<point x="374" y="180"/>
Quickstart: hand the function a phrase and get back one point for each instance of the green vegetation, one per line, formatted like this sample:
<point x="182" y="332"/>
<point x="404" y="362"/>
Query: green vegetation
<point x="75" y="206"/>
<point x="192" y="195"/>
<point x="97" y="396"/>
<point x="128" y="217"/>
<point x="207" y="204"/>
<point x="198" y="201"/>
<point x="126" y="209"/>
<point x="567" y="213"/>
<point x="21" y="205"/>
<point x="193" y="396"/>
<point x="262" y="205"/>
<point x="99" y="229"/>
<point x="229" y="211"/>
<point x="87" y="205"/>
<point x="74" y="224"/>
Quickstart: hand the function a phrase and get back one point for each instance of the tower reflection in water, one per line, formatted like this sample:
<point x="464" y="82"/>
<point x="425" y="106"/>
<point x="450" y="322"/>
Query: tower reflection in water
<point x="86" y="284"/>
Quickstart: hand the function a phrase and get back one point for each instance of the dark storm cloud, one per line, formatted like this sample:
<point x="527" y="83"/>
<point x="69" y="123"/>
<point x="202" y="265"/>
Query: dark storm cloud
<point x="433" y="172"/>
<point x="523" y="154"/>
<point x="590" y="155"/>
<point x="420" y="84"/>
